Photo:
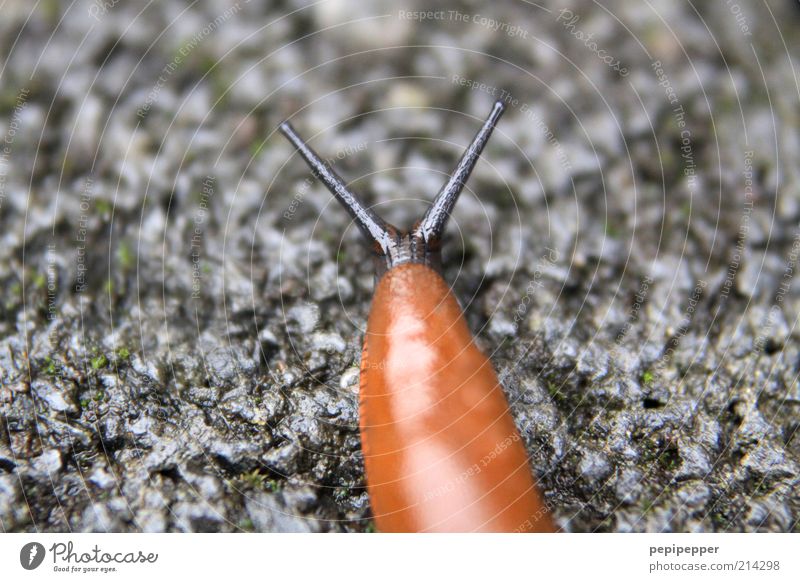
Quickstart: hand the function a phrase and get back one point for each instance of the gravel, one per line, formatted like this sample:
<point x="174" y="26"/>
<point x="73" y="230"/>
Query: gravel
<point x="183" y="305"/>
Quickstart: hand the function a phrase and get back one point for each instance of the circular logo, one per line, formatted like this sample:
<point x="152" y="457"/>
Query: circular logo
<point x="31" y="555"/>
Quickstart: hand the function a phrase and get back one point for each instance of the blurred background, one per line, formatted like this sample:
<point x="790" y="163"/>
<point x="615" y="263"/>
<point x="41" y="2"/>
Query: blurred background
<point x="183" y="305"/>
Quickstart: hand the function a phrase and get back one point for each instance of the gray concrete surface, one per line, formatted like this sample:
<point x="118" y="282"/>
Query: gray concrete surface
<point x="183" y="306"/>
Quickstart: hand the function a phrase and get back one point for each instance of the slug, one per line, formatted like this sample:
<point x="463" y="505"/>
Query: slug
<point x="440" y="447"/>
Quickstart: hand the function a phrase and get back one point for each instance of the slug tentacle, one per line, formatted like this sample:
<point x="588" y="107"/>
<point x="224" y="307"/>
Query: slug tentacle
<point x="431" y="227"/>
<point x="391" y="246"/>
<point x="372" y="226"/>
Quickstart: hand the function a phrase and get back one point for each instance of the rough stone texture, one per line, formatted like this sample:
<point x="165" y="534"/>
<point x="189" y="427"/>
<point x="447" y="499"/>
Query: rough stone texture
<point x="638" y="302"/>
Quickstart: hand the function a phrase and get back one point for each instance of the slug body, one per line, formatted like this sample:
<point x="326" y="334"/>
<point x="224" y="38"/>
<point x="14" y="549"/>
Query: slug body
<point x="440" y="447"/>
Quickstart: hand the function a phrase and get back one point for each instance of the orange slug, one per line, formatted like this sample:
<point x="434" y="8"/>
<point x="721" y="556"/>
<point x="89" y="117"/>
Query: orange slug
<point x="440" y="447"/>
